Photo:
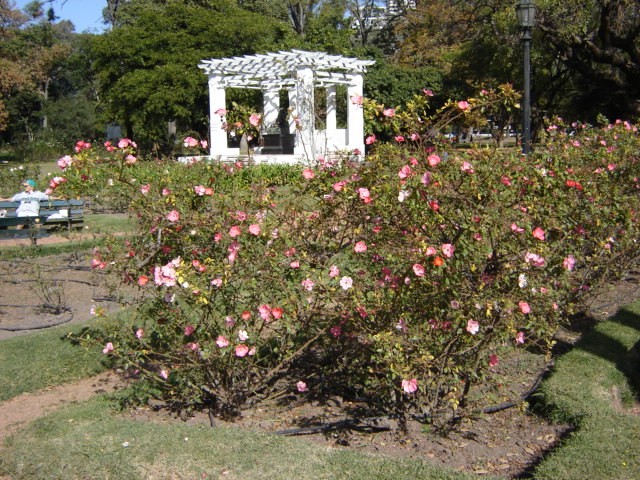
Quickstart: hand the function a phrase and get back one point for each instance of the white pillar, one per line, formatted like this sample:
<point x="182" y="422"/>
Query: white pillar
<point x="270" y="107"/>
<point x="293" y="109"/>
<point x="331" y="116"/>
<point x="305" y="144"/>
<point x="355" y="115"/>
<point x="217" y="101"/>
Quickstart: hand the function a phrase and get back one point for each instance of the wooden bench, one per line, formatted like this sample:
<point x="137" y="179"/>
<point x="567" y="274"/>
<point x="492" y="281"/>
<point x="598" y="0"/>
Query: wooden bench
<point x="67" y="214"/>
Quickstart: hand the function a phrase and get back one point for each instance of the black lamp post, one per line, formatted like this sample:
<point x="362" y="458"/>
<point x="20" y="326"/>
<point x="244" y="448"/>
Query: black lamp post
<point x="526" y="12"/>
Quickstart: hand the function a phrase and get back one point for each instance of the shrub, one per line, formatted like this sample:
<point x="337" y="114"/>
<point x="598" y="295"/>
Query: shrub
<point x="11" y="178"/>
<point x="402" y="279"/>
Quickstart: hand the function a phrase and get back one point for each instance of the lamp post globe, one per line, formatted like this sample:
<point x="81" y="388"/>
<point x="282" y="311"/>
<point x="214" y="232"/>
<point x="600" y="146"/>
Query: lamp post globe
<point x="526" y="12"/>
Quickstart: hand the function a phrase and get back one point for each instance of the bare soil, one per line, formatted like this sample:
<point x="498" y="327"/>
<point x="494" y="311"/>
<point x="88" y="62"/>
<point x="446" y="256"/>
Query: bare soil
<point x="507" y="443"/>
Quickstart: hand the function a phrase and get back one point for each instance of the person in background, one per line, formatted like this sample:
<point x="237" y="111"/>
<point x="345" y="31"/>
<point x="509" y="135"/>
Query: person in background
<point x="29" y="200"/>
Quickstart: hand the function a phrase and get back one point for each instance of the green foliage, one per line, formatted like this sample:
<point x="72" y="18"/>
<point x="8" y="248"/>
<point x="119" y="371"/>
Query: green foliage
<point x="392" y="85"/>
<point x="11" y="178"/>
<point x="70" y="118"/>
<point x="401" y="279"/>
<point x="148" y="68"/>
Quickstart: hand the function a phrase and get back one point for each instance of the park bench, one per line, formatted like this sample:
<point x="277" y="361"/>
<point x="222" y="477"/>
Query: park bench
<point x="67" y="214"/>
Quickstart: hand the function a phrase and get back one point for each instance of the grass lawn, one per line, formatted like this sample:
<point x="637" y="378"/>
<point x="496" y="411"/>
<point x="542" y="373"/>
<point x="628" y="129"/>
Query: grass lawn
<point x="86" y="442"/>
<point x="90" y="441"/>
<point x="586" y="390"/>
<point x="36" y="360"/>
<point x="95" y="226"/>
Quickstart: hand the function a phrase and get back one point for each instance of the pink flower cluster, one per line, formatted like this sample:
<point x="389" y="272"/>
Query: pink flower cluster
<point x="166" y="275"/>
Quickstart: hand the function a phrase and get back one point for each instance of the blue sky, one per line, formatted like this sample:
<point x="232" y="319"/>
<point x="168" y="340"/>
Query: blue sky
<point x="86" y="15"/>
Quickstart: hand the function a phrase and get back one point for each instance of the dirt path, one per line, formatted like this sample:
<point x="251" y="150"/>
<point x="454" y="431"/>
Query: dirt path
<point x="25" y="408"/>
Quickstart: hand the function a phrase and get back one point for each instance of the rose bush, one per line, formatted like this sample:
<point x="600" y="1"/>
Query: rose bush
<point x="402" y="279"/>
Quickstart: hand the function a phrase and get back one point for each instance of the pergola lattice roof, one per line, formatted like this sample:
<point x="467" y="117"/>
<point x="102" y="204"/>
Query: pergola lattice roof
<point x="278" y="70"/>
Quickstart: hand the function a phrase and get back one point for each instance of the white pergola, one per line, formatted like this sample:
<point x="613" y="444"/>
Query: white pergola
<point x="298" y="72"/>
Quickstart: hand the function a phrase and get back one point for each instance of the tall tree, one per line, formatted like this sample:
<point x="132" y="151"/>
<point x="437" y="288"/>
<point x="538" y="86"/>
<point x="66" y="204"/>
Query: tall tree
<point x="148" y="67"/>
<point x="585" y="59"/>
<point x="12" y="66"/>
<point x="601" y="45"/>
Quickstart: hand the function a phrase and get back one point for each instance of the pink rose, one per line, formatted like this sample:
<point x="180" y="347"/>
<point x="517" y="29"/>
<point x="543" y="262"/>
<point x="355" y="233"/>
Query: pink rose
<point x="418" y="270"/>
<point x="265" y="312"/>
<point x="463" y="105"/>
<point x="308" y="174"/>
<point x="357" y="99"/>
<point x="433" y="160"/>
<point x="254" y="229"/>
<point x="410" y="386"/>
<point x="173" y="216"/>
<point x="334" y="271"/>
<point x="346" y="283"/>
<point x="493" y="360"/>
<point x="538" y="233"/>
<point x="467" y="167"/>
<point x="139" y="333"/>
<point x="473" y="327"/>
<point x="241" y="350"/>
<point x="520" y="337"/>
<point x="222" y="341"/>
<point x="190" y="142"/>
<point x="534" y="259"/>
<point x="188" y="330"/>
<point x="234" y="231"/>
<point x="301" y="386"/>
<point x="364" y="193"/>
<point x="107" y="348"/>
<point x="360" y="247"/>
<point x="254" y="120"/>
<point x="404" y="172"/>
<point x="221" y="111"/>
<point x="389" y="112"/>
<point x="569" y="262"/>
<point x="370" y="139"/>
<point x="447" y="250"/>
<point x="524" y="307"/>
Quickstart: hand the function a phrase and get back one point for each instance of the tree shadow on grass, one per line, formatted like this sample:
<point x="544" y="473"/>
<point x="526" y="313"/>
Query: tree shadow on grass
<point x="596" y="342"/>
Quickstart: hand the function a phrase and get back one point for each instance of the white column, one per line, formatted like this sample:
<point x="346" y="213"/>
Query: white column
<point x="293" y="109"/>
<point x="217" y="101"/>
<point x="355" y="115"/>
<point x="331" y="116"/>
<point x="270" y="107"/>
<point x="305" y="144"/>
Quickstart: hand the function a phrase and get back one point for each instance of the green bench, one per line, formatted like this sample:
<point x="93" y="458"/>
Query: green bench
<point x="67" y="214"/>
